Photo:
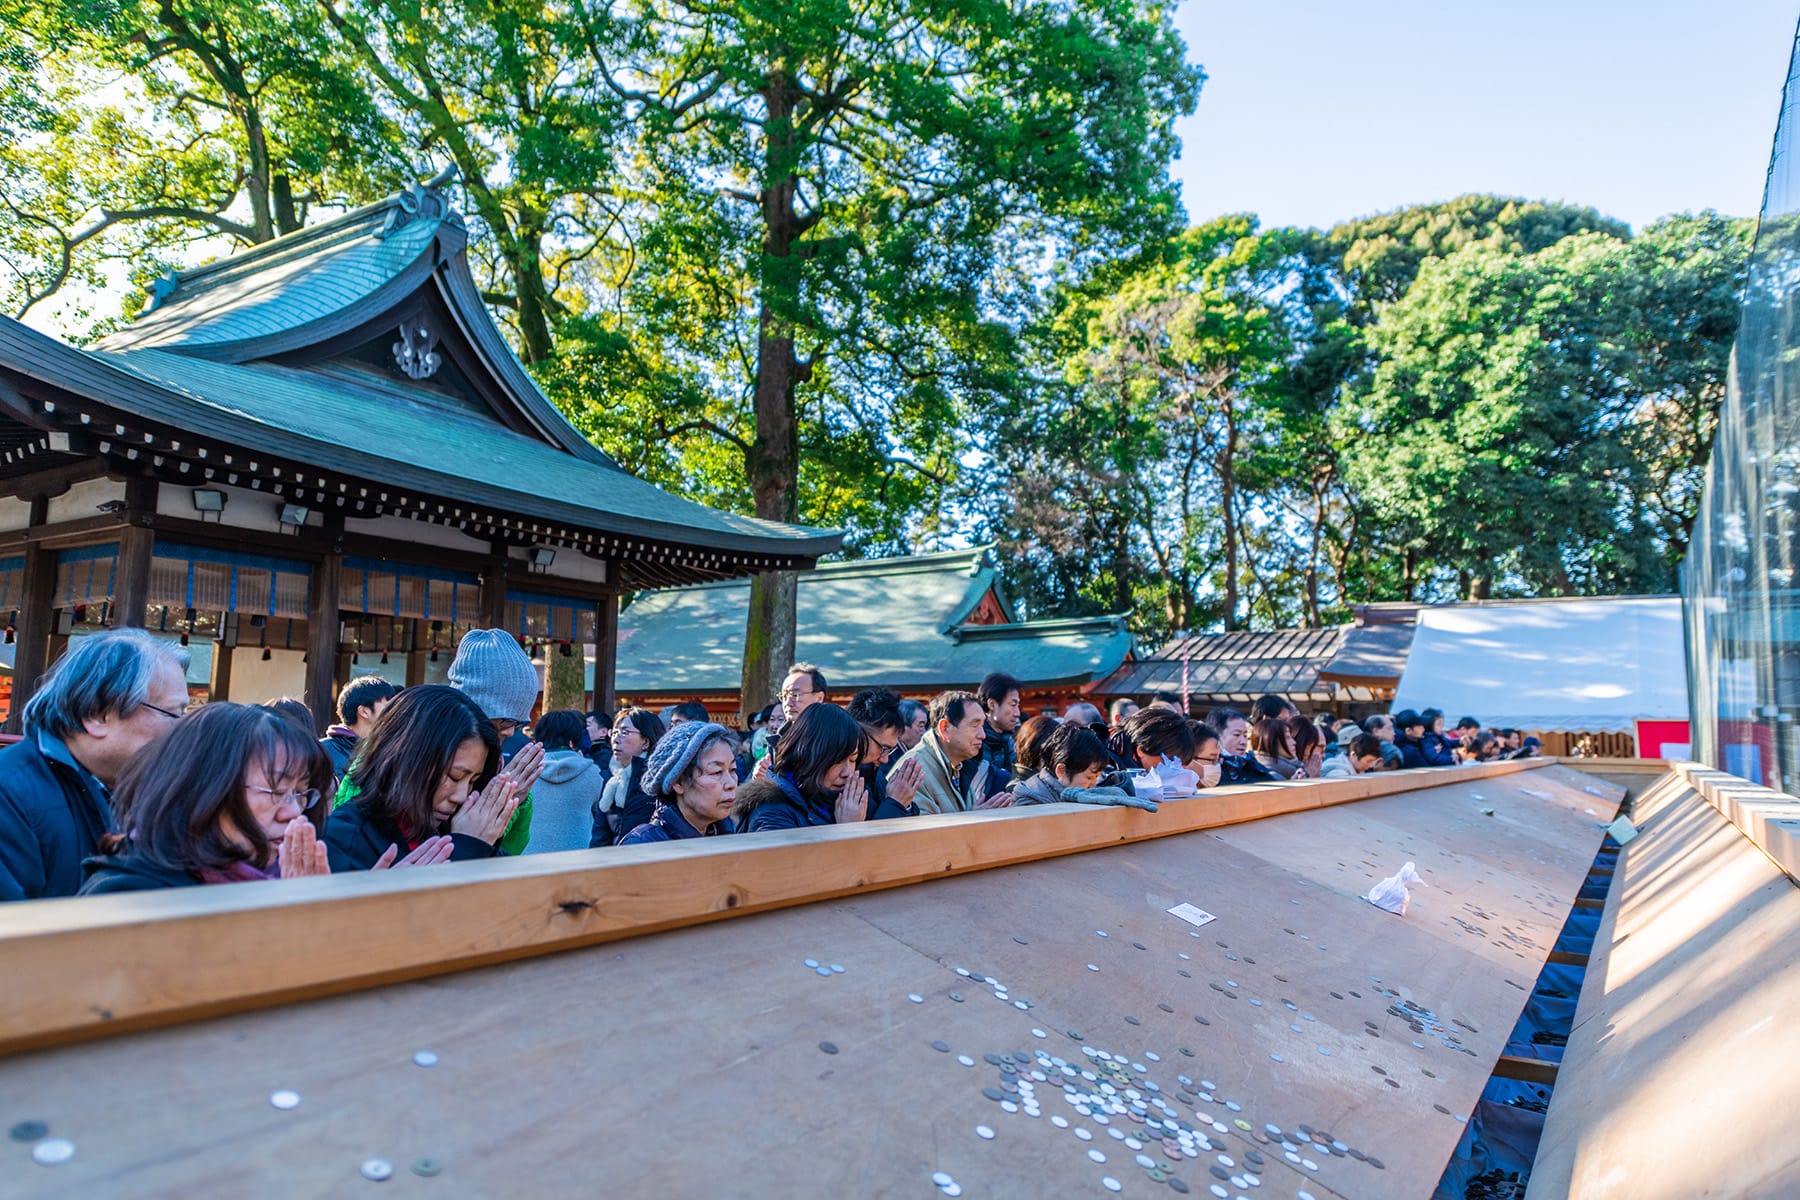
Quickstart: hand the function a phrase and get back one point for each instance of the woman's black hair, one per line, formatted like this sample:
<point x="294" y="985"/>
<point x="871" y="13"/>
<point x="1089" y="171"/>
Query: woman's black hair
<point x="1306" y="737"/>
<point x="174" y="797"/>
<point x="1030" y="741"/>
<point x="1075" y="748"/>
<point x="820" y="738"/>
<point x="398" y="767"/>
<point x="560" y="730"/>
<point x="1431" y="717"/>
<point x="647" y="723"/>
<point x="1203" y="733"/>
<point x="1157" y="732"/>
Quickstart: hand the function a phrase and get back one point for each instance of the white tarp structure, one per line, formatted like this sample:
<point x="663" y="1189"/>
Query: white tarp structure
<point x="1590" y="666"/>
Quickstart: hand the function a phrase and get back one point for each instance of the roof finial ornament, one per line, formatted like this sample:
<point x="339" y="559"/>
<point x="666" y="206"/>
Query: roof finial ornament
<point x="424" y="199"/>
<point x="163" y="287"/>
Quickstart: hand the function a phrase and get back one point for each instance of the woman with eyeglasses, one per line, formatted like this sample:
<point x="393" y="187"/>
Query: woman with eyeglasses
<point x="623" y="803"/>
<point x="812" y="777"/>
<point x="229" y="795"/>
<point x="428" y="773"/>
<point x="692" y="775"/>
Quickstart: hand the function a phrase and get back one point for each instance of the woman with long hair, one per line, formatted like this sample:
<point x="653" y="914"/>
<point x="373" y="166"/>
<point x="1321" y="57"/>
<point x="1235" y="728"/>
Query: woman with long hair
<point x="811" y="778"/>
<point x="229" y="795"/>
<point x="1308" y="741"/>
<point x="623" y="803"/>
<point x="426" y="770"/>
<point x="1272" y="742"/>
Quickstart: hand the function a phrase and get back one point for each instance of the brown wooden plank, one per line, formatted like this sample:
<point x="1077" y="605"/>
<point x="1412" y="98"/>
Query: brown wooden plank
<point x="1678" y="1077"/>
<point x="174" y="955"/>
<point x="1526" y="1070"/>
<point x="689" y="1063"/>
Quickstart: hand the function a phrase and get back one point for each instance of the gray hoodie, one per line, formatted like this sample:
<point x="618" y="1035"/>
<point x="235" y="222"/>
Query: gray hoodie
<point x="563" y="802"/>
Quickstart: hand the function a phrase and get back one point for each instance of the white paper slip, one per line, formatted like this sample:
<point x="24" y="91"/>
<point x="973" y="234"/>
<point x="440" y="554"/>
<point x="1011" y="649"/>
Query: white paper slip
<point x="1192" y="915"/>
<point x="1622" y="830"/>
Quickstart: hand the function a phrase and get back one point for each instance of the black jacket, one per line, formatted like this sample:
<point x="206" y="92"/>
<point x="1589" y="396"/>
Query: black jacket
<point x="111" y="873"/>
<point x="339" y="748"/>
<point x="1435" y="748"/>
<point x="1243" y="768"/>
<point x="52" y="816"/>
<point x="1412" y="756"/>
<point x="354" y="840"/>
<point x="772" y="804"/>
<point x="1001" y="755"/>
<point x="882" y="807"/>
<point x="637" y="810"/>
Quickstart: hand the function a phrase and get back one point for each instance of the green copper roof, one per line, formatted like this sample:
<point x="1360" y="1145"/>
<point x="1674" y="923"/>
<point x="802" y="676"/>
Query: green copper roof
<point x="894" y="622"/>
<point x="288" y="284"/>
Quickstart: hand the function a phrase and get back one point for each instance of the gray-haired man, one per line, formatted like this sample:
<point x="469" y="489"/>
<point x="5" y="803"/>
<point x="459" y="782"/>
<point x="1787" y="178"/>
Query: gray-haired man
<point x="112" y="694"/>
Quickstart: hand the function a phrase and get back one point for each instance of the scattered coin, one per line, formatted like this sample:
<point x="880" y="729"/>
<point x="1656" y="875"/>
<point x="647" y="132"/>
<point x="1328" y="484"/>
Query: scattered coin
<point x="52" y="1151"/>
<point x="425" y="1058"/>
<point x="942" y="1178"/>
<point x="1020" y="940"/>
<point x="1092" y="967"/>
<point x="941" y="1047"/>
<point x="956" y="996"/>
<point x="983" y="1132"/>
<point x="285" y="1099"/>
<point x="915" y="997"/>
<point x="377" y="1169"/>
<point x="828" y="1047"/>
<point x="1097" y="1155"/>
<point x="425" y="1168"/>
<point x="836" y="969"/>
<point x="1111" y="1184"/>
<point x="28" y="1131"/>
<point x="812" y="964"/>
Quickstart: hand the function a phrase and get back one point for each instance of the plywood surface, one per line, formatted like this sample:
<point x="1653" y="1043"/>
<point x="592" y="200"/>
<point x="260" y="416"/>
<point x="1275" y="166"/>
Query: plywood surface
<point x="108" y="964"/>
<point x="1678" y="1079"/>
<point x="689" y="1063"/>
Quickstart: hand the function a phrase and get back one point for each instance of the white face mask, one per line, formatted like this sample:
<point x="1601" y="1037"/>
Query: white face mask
<point x="1210" y="774"/>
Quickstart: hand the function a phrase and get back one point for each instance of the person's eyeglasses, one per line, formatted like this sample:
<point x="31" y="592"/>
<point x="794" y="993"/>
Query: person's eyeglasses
<point x="1208" y="761"/>
<point x="173" y="716"/>
<point x="787" y="694"/>
<point x="305" y="799"/>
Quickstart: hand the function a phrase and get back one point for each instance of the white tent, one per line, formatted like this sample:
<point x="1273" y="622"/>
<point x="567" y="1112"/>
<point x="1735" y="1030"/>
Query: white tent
<point x="1590" y="666"/>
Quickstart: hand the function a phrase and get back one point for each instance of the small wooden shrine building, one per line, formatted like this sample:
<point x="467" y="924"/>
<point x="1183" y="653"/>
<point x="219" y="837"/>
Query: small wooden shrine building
<point x="322" y="449"/>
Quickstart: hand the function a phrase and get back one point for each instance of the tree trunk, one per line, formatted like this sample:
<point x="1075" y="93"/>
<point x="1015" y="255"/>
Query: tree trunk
<point x="773" y="464"/>
<point x="1228" y="500"/>
<point x="534" y="296"/>
<point x="568" y="679"/>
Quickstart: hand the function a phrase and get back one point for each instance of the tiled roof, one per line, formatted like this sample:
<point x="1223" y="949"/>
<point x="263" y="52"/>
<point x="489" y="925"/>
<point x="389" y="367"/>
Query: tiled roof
<point x="894" y="622"/>
<point x="1285" y="661"/>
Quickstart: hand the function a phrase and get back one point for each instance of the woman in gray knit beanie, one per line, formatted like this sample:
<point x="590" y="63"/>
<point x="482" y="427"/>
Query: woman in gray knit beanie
<point x="693" y="775"/>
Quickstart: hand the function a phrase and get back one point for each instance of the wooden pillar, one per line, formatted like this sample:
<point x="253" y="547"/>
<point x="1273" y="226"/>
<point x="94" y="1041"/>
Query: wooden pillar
<point x="219" y="688"/>
<point x="137" y="545"/>
<point x="37" y="621"/>
<point x="606" y="654"/>
<point x="415" y="653"/>
<point x="493" y="590"/>
<point x="322" y="676"/>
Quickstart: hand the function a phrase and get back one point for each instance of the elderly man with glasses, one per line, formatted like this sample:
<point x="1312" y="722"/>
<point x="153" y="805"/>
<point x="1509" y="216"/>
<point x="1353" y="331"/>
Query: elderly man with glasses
<point x="109" y="696"/>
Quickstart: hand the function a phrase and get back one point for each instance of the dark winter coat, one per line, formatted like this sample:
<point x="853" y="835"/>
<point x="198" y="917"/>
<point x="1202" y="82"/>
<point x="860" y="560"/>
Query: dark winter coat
<point x="669" y="825"/>
<point x="108" y="874"/>
<point x="882" y="807"/>
<point x="52" y="816"/>
<point x="1001" y="755"/>
<point x="637" y="809"/>
<point x="777" y="804"/>
<point x="1412" y="756"/>
<point x="340" y="748"/>
<point x="1243" y="768"/>
<point x="355" y="840"/>
<point x="1435" y="748"/>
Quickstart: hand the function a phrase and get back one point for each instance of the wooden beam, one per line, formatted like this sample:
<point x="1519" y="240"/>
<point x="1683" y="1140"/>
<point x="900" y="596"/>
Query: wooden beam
<point x="219" y="688"/>
<point x="606" y="654"/>
<point x="416" y="653"/>
<point x="322" y="677"/>
<point x="173" y="955"/>
<point x="137" y="545"/>
<point x="493" y="590"/>
<point x="37" y="621"/>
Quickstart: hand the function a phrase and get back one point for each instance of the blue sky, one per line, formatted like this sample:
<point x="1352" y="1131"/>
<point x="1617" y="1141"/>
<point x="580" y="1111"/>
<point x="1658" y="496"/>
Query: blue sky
<point x="1316" y="111"/>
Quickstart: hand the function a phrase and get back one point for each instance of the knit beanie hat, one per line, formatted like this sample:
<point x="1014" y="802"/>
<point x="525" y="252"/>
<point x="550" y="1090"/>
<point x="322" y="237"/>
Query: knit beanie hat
<point x="674" y="754"/>
<point x="491" y="670"/>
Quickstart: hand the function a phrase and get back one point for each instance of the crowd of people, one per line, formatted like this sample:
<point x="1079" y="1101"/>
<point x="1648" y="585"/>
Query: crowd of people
<point x="116" y="786"/>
